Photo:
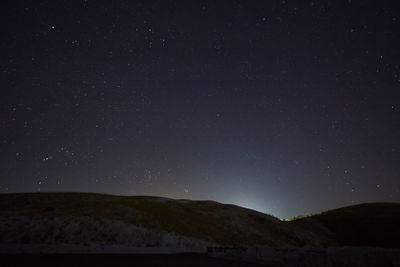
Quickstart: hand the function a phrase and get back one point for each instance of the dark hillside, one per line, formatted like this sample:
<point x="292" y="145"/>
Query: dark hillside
<point x="79" y="218"/>
<point x="374" y="224"/>
<point x="141" y="221"/>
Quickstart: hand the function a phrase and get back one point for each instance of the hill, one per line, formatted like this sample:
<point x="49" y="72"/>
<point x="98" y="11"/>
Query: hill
<point x="371" y="224"/>
<point x="96" y="220"/>
<point x="140" y="221"/>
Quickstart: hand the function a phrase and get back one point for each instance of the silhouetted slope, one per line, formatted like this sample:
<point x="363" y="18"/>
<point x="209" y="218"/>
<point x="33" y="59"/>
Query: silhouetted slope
<point x="94" y="220"/>
<point x="82" y="218"/>
<point x="374" y="224"/>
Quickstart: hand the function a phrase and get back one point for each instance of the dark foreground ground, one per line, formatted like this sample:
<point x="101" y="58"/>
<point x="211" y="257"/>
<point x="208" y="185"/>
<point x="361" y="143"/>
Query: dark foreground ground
<point x="219" y="256"/>
<point x="115" y="260"/>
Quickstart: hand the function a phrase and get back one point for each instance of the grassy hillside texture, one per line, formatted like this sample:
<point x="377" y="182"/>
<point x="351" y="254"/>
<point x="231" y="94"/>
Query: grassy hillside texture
<point x="82" y="218"/>
<point x="374" y="224"/>
<point x="96" y="219"/>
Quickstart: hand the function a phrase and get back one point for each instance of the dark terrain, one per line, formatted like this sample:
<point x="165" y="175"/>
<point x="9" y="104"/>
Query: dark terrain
<point x="115" y="260"/>
<point x="81" y="229"/>
<point x="371" y="225"/>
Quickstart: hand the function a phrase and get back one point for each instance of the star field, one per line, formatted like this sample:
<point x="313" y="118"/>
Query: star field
<point x="286" y="107"/>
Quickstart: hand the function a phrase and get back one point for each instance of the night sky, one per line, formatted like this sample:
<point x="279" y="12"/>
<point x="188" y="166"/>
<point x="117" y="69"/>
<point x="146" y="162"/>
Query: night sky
<point x="286" y="107"/>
